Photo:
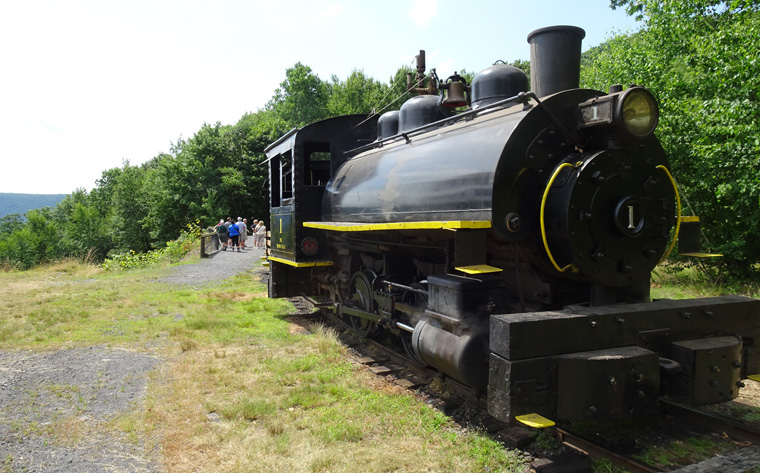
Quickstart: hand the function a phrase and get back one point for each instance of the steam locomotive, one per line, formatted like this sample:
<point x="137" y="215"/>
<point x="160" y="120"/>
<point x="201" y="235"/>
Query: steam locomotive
<point x="506" y="238"/>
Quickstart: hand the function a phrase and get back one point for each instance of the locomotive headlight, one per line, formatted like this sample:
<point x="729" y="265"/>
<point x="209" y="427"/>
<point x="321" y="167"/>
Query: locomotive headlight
<point x="637" y="112"/>
<point x="632" y="113"/>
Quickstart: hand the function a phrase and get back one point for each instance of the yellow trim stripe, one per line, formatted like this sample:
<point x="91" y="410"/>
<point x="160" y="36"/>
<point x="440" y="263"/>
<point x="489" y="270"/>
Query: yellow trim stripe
<point x="689" y="219"/>
<point x="369" y="227"/>
<point x="479" y="269"/>
<point x="302" y="264"/>
<point x="702" y="255"/>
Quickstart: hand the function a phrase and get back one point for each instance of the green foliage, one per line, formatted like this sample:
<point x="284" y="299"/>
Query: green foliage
<point x="699" y="58"/>
<point x="10" y="223"/>
<point x="358" y="94"/>
<point x="301" y="98"/>
<point x="174" y="251"/>
<point x="36" y="242"/>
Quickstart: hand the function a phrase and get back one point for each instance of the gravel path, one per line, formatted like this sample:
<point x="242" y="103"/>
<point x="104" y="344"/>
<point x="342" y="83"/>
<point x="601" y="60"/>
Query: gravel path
<point x="55" y="406"/>
<point x="49" y="403"/>
<point x="221" y="265"/>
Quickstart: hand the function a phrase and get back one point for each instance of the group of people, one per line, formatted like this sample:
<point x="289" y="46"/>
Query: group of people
<point x="234" y="234"/>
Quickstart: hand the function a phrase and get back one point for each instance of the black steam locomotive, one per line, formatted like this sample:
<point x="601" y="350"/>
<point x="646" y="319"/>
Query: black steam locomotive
<point x="509" y="245"/>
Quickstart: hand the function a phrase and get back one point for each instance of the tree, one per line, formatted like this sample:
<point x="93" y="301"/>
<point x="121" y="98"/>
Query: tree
<point x="301" y="98"/>
<point x="82" y="229"/>
<point x="36" y="242"/>
<point x="699" y="58"/>
<point x="358" y="94"/>
<point x="126" y="219"/>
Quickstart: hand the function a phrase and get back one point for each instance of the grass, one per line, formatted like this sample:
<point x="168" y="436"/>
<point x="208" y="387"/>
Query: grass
<point x="672" y="282"/>
<point x="684" y="451"/>
<point x="240" y="391"/>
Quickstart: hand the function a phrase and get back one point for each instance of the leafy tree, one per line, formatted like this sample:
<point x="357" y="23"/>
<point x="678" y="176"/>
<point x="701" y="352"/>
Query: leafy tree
<point x="699" y="57"/>
<point x="81" y="227"/>
<point x="36" y="242"/>
<point x="10" y="223"/>
<point x="254" y="133"/>
<point x="358" y="94"/>
<point x="125" y="220"/>
<point x="301" y="98"/>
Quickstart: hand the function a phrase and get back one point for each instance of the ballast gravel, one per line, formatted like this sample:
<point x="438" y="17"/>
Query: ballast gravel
<point x="55" y="406"/>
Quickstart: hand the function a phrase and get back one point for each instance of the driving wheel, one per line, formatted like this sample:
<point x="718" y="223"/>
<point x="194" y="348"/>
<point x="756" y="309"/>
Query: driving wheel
<point x="361" y="298"/>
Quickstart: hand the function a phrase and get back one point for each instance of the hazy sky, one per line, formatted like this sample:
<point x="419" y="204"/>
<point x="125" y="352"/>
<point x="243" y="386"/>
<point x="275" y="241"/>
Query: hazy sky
<point x="86" y="84"/>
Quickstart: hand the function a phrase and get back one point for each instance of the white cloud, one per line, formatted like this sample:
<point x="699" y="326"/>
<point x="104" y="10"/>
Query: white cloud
<point x="423" y="11"/>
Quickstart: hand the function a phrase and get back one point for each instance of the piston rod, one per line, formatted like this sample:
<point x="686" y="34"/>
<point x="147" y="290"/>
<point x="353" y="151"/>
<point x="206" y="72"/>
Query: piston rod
<point x="405" y="327"/>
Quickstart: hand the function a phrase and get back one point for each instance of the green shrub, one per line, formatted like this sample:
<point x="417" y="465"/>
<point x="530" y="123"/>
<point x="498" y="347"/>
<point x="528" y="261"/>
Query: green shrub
<point x="174" y="251"/>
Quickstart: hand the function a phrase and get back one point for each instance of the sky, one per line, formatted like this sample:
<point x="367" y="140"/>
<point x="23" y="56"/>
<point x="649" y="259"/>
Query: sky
<point x="86" y="85"/>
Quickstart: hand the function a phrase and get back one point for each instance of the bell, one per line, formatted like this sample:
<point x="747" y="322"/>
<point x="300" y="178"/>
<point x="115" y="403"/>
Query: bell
<point x="455" y="95"/>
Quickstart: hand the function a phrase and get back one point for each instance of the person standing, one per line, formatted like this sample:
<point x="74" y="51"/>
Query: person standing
<point x="243" y="229"/>
<point x="261" y="233"/>
<point x="223" y="233"/>
<point x="234" y="236"/>
<point x="254" y="226"/>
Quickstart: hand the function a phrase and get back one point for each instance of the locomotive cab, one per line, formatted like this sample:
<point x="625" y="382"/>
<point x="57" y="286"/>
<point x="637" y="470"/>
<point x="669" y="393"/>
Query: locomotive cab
<point x="300" y="164"/>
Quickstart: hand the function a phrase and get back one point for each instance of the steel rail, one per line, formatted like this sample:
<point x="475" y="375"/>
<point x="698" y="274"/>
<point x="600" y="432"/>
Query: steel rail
<point x="597" y="451"/>
<point x="731" y="427"/>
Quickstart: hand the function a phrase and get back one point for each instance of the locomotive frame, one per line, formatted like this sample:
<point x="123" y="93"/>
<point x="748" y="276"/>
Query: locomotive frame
<point x="510" y="246"/>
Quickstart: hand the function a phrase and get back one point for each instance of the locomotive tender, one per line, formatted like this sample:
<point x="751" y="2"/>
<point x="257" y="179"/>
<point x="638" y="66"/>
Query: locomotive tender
<point x="509" y="246"/>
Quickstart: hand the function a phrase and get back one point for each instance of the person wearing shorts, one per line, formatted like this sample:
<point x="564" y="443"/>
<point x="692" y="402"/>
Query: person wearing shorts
<point x="222" y="232"/>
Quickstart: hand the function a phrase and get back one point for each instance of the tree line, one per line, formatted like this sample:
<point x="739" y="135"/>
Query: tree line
<point x="217" y="173"/>
<point x="699" y="58"/>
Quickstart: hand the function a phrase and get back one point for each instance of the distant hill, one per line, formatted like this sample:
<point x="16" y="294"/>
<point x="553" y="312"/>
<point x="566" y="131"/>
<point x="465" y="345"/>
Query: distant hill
<point x="22" y="203"/>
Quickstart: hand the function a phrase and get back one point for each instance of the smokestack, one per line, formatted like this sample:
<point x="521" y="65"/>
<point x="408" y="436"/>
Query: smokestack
<point x="555" y="59"/>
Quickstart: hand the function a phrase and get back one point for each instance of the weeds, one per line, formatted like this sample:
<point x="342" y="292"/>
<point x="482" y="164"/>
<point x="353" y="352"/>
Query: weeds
<point x="173" y="252"/>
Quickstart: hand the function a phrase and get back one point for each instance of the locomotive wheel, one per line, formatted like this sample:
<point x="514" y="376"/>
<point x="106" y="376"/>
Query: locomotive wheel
<point x="361" y="298"/>
<point x="419" y="301"/>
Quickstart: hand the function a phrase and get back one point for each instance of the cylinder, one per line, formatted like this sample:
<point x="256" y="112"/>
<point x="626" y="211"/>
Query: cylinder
<point x="462" y="357"/>
<point x="555" y="59"/>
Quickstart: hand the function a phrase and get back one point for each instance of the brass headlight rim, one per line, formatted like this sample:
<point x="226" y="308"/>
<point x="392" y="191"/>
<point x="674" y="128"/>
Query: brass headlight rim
<point x="625" y="96"/>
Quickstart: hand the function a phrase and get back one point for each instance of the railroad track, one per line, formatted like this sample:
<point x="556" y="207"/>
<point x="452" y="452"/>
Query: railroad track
<point x="388" y="361"/>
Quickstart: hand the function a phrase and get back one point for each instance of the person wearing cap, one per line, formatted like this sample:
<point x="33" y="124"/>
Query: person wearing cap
<point x="243" y="229"/>
<point x="223" y="232"/>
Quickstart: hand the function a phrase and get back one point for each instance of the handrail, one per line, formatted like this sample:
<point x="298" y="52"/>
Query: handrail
<point x="209" y="240"/>
<point x="522" y="97"/>
<point x="678" y="213"/>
